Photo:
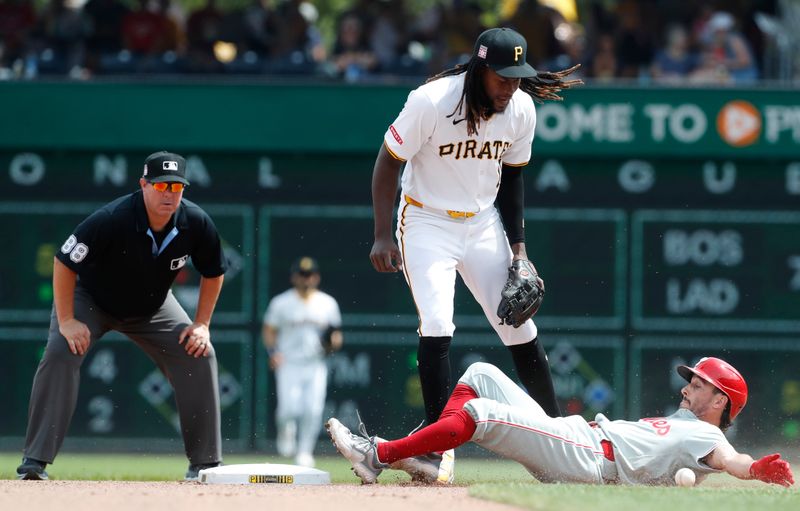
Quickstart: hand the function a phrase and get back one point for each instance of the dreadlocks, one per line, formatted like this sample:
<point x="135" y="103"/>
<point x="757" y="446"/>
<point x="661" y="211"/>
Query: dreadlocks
<point x="545" y="85"/>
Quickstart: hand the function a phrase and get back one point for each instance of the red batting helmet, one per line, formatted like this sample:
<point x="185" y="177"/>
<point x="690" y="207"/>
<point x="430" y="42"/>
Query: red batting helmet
<point x="722" y="375"/>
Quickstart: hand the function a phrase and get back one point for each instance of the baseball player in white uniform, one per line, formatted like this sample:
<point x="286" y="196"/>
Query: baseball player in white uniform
<point x="300" y="325"/>
<point x="463" y="137"/>
<point x="487" y="408"/>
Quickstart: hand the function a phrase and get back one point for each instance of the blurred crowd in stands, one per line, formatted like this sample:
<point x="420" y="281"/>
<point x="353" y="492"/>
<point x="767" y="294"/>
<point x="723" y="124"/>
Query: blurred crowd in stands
<point x="663" y="41"/>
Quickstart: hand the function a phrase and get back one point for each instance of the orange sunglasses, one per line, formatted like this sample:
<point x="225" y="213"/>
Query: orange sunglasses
<point x="173" y="187"/>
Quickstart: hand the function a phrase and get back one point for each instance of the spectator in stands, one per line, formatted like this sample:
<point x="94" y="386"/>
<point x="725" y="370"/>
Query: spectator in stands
<point x="604" y="62"/>
<point x="60" y="32"/>
<point x="699" y="23"/>
<point x="203" y="30"/>
<point x="537" y="23"/>
<point x="726" y="55"/>
<point x="425" y="39"/>
<point x="573" y="46"/>
<point x="365" y="11"/>
<point x="144" y="30"/>
<point x="389" y="36"/>
<point x="17" y="20"/>
<point x="676" y="61"/>
<point x="352" y="56"/>
<point x="168" y="45"/>
<point x="461" y="26"/>
<point x="283" y="36"/>
<point x="634" y="39"/>
<point x="300" y="48"/>
<point x="174" y="39"/>
<point x="259" y="26"/>
<point x="105" y="30"/>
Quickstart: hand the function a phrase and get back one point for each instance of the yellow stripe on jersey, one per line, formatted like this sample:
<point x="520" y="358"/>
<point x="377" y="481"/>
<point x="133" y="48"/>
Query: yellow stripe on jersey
<point x="515" y="164"/>
<point x="392" y="153"/>
<point x="402" y="229"/>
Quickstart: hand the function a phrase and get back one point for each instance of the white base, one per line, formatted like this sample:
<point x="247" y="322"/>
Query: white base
<point x="263" y="473"/>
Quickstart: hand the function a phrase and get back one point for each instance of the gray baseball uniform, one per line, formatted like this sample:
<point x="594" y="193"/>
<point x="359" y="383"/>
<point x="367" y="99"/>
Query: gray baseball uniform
<point x="570" y="449"/>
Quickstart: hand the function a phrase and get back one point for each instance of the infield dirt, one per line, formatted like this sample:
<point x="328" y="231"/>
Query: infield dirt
<point x="179" y="496"/>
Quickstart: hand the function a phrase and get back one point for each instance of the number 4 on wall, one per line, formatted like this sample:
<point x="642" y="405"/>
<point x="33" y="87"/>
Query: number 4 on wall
<point x="103" y="366"/>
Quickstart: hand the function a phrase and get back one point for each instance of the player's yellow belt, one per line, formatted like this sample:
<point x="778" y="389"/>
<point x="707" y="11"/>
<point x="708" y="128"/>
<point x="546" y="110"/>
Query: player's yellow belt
<point x="450" y="212"/>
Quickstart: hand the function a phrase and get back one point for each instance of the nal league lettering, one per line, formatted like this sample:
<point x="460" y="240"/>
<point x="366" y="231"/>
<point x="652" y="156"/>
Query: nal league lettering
<point x="491" y="150"/>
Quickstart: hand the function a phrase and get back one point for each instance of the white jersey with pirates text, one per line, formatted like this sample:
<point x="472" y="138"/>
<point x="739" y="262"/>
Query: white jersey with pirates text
<point x="447" y="169"/>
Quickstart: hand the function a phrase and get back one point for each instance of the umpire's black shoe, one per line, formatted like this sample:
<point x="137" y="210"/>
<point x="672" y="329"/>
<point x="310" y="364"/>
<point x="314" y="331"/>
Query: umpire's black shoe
<point x="193" y="473"/>
<point x="32" y="470"/>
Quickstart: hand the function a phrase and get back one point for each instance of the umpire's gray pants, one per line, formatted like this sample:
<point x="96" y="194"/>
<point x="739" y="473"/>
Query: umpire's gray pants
<point x="194" y="380"/>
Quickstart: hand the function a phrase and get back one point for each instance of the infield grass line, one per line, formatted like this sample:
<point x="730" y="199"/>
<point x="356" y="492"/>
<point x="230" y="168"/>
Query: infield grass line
<point x="490" y="479"/>
<point x="720" y="493"/>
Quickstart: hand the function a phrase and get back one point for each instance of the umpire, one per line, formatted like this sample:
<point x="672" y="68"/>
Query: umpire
<point x="114" y="272"/>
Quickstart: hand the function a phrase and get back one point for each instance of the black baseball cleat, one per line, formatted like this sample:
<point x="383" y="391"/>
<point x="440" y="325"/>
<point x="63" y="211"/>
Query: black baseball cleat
<point x="193" y="472"/>
<point x="32" y="470"/>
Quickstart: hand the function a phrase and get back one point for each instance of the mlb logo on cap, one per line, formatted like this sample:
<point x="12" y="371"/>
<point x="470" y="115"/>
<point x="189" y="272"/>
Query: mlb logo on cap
<point x="165" y="167"/>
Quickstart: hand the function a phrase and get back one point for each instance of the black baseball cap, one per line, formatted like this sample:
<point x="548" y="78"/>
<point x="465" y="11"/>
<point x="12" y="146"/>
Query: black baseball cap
<point x="505" y="51"/>
<point x="163" y="166"/>
<point x="305" y="265"/>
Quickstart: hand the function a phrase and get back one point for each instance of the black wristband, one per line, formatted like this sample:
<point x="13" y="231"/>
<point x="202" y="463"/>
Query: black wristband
<point x="511" y="202"/>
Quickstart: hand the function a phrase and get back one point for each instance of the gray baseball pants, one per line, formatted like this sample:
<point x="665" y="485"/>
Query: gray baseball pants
<point x="194" y="380"/>
<point x="510" y="423"/>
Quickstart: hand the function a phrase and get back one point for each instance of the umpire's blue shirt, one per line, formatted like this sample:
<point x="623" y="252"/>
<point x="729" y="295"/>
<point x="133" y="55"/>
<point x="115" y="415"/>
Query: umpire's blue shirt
<point x="123" y="267"/>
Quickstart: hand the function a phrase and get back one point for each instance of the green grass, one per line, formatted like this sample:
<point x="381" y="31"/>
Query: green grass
<point x="724" y="495"/>
<point x="167" y="467"/>
<point x="491" y="479"/>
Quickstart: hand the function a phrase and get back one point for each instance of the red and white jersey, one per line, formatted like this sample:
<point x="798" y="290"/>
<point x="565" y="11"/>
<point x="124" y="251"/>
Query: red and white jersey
<point x="447" y="169"/>
<point x="650" y="451"/>
<point x="568" y="449"/>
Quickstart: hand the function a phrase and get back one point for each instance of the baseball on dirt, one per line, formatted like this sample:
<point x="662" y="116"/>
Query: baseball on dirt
<point x="684" y="477"/>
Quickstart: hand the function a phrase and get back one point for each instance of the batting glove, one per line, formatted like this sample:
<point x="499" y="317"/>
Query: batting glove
<point x="772" y="469"/>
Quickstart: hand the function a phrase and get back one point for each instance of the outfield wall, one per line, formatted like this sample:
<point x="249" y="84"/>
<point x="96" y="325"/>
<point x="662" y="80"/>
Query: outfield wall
<point x="664" y="222"/>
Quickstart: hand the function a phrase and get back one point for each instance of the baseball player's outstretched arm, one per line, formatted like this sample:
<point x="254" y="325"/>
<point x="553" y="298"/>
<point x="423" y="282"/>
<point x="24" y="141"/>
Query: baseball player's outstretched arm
<point x="385" y="255"/>
<point x="770" y="469"/>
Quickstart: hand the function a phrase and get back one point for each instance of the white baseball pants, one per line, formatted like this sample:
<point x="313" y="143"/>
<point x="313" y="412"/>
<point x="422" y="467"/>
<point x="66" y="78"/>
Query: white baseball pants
<point x="435" y="246"/>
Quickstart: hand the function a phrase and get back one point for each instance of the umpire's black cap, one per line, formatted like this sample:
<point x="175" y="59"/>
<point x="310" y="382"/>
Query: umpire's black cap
<point x="305" y="265"/>
<point x="164" y="166"/>
<point x="505" y="51"/>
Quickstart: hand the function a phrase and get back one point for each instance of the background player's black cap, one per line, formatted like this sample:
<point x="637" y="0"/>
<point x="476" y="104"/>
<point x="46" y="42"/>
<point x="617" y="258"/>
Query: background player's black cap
<point x="305" y="265"/>
<point x="163" y="166"/>
<point x="505" y="51"/>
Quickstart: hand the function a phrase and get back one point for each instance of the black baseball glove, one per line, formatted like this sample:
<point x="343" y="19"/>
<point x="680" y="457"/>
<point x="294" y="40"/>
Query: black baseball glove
<point x="326" y="339"/>
<point x="522" y="294"/>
